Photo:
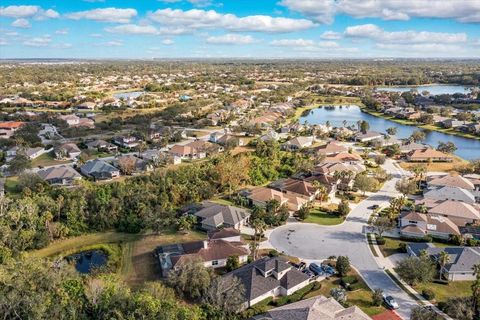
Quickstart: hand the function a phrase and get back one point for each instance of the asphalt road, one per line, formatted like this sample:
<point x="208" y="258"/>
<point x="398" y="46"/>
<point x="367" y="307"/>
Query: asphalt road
<point x="312" y="241"/>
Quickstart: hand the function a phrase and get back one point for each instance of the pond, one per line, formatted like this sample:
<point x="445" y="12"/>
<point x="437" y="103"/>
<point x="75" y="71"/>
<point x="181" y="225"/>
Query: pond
<point x="127" y="95"/>
<point x="434" y="89"/>
<point x="466" y="148"/>
<point x="86" y="261"/>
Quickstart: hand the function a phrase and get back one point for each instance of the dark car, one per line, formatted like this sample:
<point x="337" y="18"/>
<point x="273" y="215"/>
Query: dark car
<point x="315" y="268"/>
<point x="301" y="266"/>
<point x="390" y="302"/>
<point x="309" y="273"/>
<point x="374" y="207"/>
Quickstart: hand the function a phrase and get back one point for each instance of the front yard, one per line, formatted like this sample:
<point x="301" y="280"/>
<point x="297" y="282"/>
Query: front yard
<point x="445" y="291"/>
<point x="392" y="246"/>
<point x="323" y="218"/>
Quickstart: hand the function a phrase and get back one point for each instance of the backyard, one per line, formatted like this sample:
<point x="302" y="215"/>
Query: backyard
<point x="445" y="291"/>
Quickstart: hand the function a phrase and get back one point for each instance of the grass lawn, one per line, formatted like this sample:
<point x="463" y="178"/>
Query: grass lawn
<point x="445" y="291"/>
<point x="437" y="166"/>
<point x="323" y="218"/>
<point x="11" y="185"/>
<point x="361" y="297"/>
<point x="391" y="246"/>
<point x="47" y="159"/>
<point x="223" y="201"/>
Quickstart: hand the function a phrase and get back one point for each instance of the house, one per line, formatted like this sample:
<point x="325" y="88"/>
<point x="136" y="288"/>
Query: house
<point x="99" y="170"/>
<point x="101" y="146"/>
<point x="344" y="157"/>
<point x="450" y="193"/>
<point x="213" y="252"/>
<point x="160" y="157"/>
<point x="260" y="197"/>
<point x="298" y="143"/>
<point x="269" y="277"/>
<point x="316" y="308"/>
<point x="461" y="262"/>
<point x="186" y="152"/>
<point x="230" y="140"/>
<point x="368" y="136"/>
<point x="31" y="153"/>
<point x="331" y="148"/>
<point x="418" y="225"/>
<point x="270" y="136"/>
<point x="206" y="147"/>
<point x="8" y="128"/>
<point x="75" y="121"/>
<point x="214" y="216"/>
<point x="451" y="123"/>
<point x="450" y="180"/>
<point x="67" y="151"/>
<point x="412" y="146"/>
<point x="296" y="188"/>
<point x="87" y="105"/>
<point x="428" y="154"/>
<point x="460" y="213"/>
<point x="126" y="141"/>
<point x="63" y="175"/>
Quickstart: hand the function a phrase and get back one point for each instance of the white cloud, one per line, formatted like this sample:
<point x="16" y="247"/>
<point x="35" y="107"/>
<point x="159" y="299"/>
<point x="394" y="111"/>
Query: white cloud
<point x="62" y="45"/>
<point x="133" y="29"/>
<point x="43" y="41"/>
<point x="21" y="23"/>
<point x="95" y="35"/>
<point x="325" y="10"/>
<point x="331" y="35"/>
<point x="201" y="3"/>
<point x="197" y="19"/>
<point x="3" y="42"/>
<point x="62" y="31"/>
<point x="371" y="31"/>
<point x="113" y="43"/>
<point x="23" y="12"/>
<point x="105" y="15"/>
<point x="231" y="39"/>
<point x="292" y="43"/>
<point x="168" y="42"/>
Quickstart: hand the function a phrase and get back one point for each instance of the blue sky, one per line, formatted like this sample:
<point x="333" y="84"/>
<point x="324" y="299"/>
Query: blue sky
<point x="239" y="28"/>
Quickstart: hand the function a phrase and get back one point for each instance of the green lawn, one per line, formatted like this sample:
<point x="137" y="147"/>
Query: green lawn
<point x="47" y="159"/>
<point x="391" y="246"/>
<point x="445" y="291"/>
<point x="11" y="185"/>
<point x="323" y="218"/>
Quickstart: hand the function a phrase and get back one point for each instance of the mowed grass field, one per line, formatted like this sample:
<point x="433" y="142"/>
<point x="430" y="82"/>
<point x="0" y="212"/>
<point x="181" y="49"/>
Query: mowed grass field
<point x="138" y="263"/>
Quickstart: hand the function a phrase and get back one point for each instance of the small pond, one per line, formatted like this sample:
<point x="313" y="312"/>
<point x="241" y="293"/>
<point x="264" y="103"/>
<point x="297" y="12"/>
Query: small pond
<point x="86" y="261"/>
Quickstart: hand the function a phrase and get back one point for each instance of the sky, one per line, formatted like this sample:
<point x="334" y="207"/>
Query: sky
<point x="145" y="29"/>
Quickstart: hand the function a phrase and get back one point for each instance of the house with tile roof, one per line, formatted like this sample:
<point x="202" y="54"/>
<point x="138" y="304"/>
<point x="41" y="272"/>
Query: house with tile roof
<point x="450" y="193"/>
<point x="460" y="213"/>
<point x="316" y="308"/>
<point x="8" y="128"/>
<point x="269" y="277"/>
<point x="260" y="196"/>
<point x="450" y="180"/>
<point x="213" y="253"/>
<point x="331" y="148"/>
<point x="298" y="143"/>
<point x="461" y="262"/>
<point x="418" y="225"/>
<point x="429" y="154"/>
<point x="214" y="216"/>
<point x="296" y="188"/>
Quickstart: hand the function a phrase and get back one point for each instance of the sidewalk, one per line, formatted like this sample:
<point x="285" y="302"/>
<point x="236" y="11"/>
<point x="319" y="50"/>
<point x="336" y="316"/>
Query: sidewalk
<point x="389" y="266"/>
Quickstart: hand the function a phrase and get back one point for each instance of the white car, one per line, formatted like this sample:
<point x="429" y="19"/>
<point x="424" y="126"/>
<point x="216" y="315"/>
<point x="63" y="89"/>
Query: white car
<point x="390" y="301"/>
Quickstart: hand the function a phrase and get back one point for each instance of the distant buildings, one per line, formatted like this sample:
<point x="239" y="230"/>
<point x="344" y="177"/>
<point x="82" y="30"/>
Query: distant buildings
<point x="7" y="129"/>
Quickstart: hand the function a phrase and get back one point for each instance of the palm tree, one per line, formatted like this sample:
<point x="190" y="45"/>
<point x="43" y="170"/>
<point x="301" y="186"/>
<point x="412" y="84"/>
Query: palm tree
<point x="344" y="123"/>
<point x="443" y="260"/>
<point x="322" y="190"/>
<point x="259" y="226"/>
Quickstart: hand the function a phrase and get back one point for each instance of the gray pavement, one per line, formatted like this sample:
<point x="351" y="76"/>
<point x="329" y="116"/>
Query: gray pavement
<point x="311" y="241"/>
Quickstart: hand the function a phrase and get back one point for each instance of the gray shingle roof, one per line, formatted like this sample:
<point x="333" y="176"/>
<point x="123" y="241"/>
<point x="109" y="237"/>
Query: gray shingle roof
<point x="215" y="215"/>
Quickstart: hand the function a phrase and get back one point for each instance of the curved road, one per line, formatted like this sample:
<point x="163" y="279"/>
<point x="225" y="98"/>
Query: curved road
<point x="315" y="242"/>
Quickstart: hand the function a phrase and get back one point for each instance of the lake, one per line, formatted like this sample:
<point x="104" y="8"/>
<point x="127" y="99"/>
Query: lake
<point x="127" y="95"/>
<point x="466" y="148"/>
<point x="86" y="261"/>
<point x="434" y="89"/>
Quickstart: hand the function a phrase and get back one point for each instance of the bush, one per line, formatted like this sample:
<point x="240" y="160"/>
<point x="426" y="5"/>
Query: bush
<point x="381" y="241"/>
<point x="428" y="294"/>
<point x="273" y="253"/>
<point x="402" y="247"/>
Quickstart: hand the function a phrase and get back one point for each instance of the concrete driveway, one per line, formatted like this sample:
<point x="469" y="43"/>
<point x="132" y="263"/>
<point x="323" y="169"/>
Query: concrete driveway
<point x="312" y="241"/>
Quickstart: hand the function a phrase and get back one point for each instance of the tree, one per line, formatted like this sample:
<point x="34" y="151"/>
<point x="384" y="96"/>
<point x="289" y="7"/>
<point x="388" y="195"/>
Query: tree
<point x="191" y="280"/>
<point x="232" y="171"/>
<point x="365" y="183"/>
<point x="259" y="227"/>
<point x="416" y="270"/>
<point x="446" y="147"/>
<point x="417" y="136"/>
<point x="392" y="131"/>
<point x="343" y="265"/>
<point x="126" y="164"/>
<point x="304" y="211"/>
<point x="227" y="294"/>
<point x="19" y="164"/>
<point x="377" y="297"/>
<point x="343" y="207"/>
<point x="322" y="190"/>
<point x="396" y="205"/>
<point x="459" y="308"/>
<point x="339" y="294"/>
<point x="233" y="262"/>
<point x="476" y="290"/>
<point x="406" y="186"/>
<point x="443" y="260"/>
<point x="419" y="171"/>
<point x="422" y="313"/>
<point x="380" y="159"/>
<point x="382" y="225"/>
<point x="186" y="222"/>
<point x="364" y="126"/>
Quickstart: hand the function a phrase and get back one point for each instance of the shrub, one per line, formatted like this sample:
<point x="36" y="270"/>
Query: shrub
<point x="428" y="294"/>
<point x="402" y="247"/>
<point x="273" y="253"/>
<point x="381" y="241"/>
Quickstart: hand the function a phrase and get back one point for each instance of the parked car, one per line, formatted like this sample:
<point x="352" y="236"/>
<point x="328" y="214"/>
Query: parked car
<point x="390" y="302"/>
<point x="374" y="207"/>
<point x="315" y="268"/>
<point x="309" y="273"/>
<point x="301" y="266"/>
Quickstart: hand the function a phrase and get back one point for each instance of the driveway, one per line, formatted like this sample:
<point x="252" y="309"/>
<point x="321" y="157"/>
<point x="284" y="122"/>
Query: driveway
<point x="312" y="241"/>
